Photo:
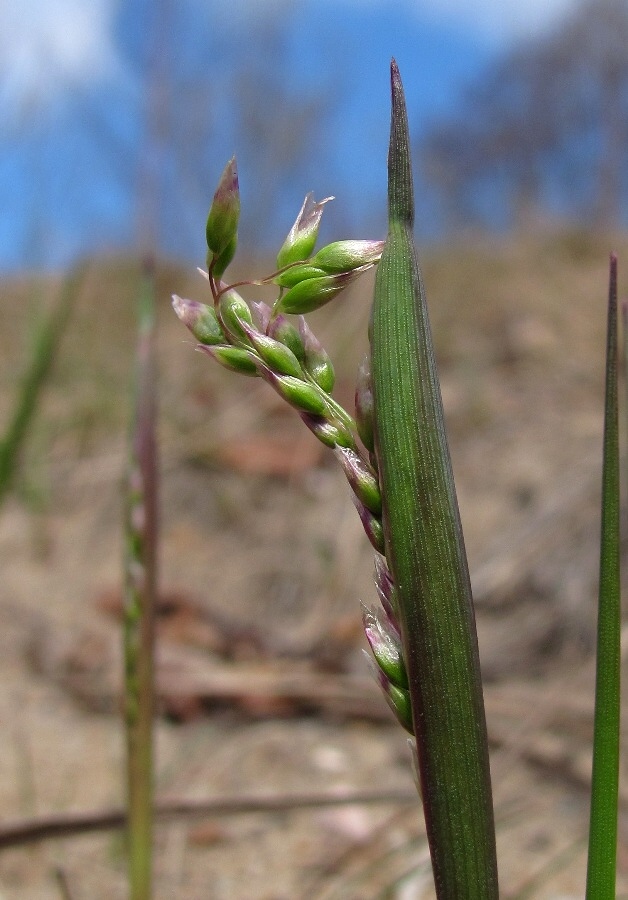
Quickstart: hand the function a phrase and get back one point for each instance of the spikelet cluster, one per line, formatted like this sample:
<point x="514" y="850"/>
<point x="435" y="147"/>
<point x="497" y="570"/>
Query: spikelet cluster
<point x="276" y="343"/>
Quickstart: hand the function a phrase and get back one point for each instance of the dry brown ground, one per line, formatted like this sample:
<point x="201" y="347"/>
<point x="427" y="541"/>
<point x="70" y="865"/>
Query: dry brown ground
<point x="264" y="563"/>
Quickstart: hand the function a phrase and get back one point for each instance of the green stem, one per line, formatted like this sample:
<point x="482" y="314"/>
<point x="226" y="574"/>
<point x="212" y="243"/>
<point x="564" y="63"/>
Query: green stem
<point x="601" y="867"/>
<point x="141" y="590"/>
<point x="425" y="549"/>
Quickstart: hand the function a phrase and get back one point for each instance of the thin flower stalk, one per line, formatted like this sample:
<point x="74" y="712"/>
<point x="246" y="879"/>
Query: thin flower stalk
<point x="140" y="563"/>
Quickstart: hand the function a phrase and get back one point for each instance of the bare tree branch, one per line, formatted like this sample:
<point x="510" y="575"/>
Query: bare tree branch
<point x="546" y="124"/>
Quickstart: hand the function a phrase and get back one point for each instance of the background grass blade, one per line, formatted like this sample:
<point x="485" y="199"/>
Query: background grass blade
<point x="601" y="870"/>
<point x="47" y="340"/>
<point x="141" y="586"/>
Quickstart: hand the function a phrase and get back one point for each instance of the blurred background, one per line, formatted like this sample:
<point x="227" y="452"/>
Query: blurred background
<point x="118" y="117"/>
<point x="117" y="120"/>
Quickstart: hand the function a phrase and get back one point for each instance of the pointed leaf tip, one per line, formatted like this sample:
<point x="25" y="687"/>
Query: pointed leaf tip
<point x="395" y="77"/>
<point x="400" y="188"/>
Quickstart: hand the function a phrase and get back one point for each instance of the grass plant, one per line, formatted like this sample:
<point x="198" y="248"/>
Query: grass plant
<point x="395" y="456"/>
<point x="394" y="453"/>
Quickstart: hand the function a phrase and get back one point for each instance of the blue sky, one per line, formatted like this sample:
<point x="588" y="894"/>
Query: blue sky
<point x="50" y="45"/>
<point x="63" y="62"/>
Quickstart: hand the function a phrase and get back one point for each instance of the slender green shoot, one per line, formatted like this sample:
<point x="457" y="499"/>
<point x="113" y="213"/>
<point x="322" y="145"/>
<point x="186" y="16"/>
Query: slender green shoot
<point x="426" y="555"/>
<point x="141" y="586"/>
<point x="601" y="869"/>
<point x="47" y="340"/>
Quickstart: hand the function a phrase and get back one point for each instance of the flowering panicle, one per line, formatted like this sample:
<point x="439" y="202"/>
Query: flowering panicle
<point x="262" y="341"/>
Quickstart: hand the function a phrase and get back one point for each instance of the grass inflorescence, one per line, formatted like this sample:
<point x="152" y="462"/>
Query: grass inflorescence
<point x="394" y="453"/>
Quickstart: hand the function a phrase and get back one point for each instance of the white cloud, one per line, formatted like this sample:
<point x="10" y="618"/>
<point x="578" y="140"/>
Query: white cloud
<point x="48" y="46"/>
<point x="500" y="20"/>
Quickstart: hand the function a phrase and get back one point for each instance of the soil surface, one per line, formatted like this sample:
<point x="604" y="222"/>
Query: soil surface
<point x="264" y="689"/>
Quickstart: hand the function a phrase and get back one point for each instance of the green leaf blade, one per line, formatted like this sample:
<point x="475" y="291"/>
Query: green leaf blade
<point x="425" y="550"/>
<point x="601" y="868"/>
